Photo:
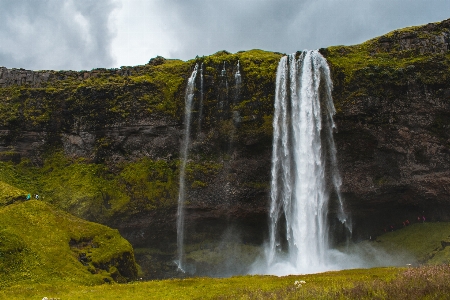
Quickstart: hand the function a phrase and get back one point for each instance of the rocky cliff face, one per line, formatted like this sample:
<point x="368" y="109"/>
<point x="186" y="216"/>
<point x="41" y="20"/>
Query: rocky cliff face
<point x="394" y="115"/>
<point x="119" y="132"/>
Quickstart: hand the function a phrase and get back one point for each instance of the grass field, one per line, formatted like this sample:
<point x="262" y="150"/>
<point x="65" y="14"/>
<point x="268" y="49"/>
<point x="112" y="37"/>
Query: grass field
<point x="427" y="282"/>
<point x="36" y="262"/>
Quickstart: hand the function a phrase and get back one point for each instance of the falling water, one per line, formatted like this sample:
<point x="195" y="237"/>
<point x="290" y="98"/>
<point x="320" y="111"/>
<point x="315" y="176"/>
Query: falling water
<point x="237" y="91"/>
<point x="304" y="169"/>
<point x="200" y="108"/>
<point x="237" y="80"/>
<point x="224" y="75"/>
<point x="190" y="88"/>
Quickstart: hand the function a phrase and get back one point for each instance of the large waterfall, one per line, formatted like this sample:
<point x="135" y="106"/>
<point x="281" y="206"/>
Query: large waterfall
<point x="304" y="171"/>
<point x="190" y="89"/>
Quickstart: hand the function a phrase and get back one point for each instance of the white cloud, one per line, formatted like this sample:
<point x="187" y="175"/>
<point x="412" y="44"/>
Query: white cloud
<point x="144" y="31"/>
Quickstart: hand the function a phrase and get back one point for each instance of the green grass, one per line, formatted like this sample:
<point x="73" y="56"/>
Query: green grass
<point x="379" y="283"/>
<point x="41" y="244"/>
<point x="240" y="287"/>
<point x="421" y="240"/>
<point x="9" y="194"/>
<point x="37" y="261"/>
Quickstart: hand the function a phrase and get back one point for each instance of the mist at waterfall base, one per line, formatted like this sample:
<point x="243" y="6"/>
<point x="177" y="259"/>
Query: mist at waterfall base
<point x="305" y="184"/>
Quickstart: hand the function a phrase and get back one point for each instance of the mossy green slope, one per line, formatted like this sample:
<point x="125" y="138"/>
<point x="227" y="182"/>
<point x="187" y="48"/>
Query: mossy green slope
<point x="92" y="191"/>
<point x="9" y="194"/>
<point x="41" y="244"/>
<point x="426" y="242"/>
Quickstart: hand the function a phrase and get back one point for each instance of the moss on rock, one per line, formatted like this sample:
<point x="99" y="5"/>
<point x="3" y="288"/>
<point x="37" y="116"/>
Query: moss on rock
<point x="41" y="244"/>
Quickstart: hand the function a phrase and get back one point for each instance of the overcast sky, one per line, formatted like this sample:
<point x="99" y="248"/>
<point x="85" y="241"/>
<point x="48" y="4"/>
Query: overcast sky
<point x="86" y="34"/>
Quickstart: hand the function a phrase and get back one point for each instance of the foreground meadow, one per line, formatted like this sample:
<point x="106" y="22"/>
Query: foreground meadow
<point x="426" y="282"/>
<point x="41" y="246"/>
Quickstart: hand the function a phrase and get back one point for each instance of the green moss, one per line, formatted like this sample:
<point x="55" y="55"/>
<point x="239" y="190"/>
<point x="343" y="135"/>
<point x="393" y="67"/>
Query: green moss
<point x="367" y="69"/>
<point x="257" y="185"/>
<point x="202" y="172"/>
<point x="198" y="184"/>
<point x="9" y="194"/>
<point x="168" y="79"/>
<point x="421" y="240"/>
<point x="150" y="184"/>
<point x="91" y="190"/>
<point x="35" y="247"/>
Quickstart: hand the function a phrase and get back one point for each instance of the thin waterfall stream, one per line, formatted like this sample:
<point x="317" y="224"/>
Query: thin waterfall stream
<point x="200" y="108"/>
<point x="189" y="96"/>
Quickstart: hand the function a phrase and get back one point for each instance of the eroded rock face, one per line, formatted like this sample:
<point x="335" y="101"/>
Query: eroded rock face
<point x="395" y="158"/>
<point x="22" y="77"/>
<point x="393" y="134"/>
<point x="10" y="77"/>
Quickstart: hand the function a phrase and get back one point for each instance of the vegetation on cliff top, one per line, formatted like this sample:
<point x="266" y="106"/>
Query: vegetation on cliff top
<point x="411" y="55"/>
<point x="41" y="245"/>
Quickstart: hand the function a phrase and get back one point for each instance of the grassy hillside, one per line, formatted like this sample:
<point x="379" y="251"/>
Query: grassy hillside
<point x="426" y="242"/>
<point x="41" y="256"/>
<point x="90" y="190"/>
<point x="41" y="245"/>
<point x="9" y="194"/>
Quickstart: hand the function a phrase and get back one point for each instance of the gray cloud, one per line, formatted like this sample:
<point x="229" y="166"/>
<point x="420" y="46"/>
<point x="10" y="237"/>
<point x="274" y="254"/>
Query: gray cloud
<point x="206" y="26"/>
<point x="54" y="34"/>
<point x="84" y="34"/>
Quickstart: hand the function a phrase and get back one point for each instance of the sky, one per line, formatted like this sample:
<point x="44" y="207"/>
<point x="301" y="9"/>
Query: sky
<point x="87" y="34"/>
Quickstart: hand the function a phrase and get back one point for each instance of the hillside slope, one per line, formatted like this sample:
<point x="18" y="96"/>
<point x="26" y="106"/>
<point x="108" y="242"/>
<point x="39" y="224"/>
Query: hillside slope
<point x="41" y="244"/>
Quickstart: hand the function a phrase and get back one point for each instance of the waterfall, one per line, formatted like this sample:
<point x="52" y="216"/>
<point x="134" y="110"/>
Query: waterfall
<point x="304" y="168"/>
<point x="200" y="108"/>
<point x="224" y="75"/>
<point x="189" y="95"/>
<point x="237" y="80"/>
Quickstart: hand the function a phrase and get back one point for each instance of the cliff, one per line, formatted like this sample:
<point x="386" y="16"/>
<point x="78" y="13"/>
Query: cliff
<point x="393" y="97"/>
<point x="104" y="144"/>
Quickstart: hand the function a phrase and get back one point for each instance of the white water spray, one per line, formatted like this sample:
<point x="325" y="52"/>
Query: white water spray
<point x="189" y="96"/>
<point x="303" y="154"/>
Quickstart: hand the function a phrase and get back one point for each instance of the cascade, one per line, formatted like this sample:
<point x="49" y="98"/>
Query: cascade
<point x="189" y="95"/>
<point x="237" y="91"/>
<point x="223" y="73"/>
<point x="200" y="108"/>
<point x="237" y="80"/>
<point x="223" y="104"/>
<point x="304" y="168"/>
